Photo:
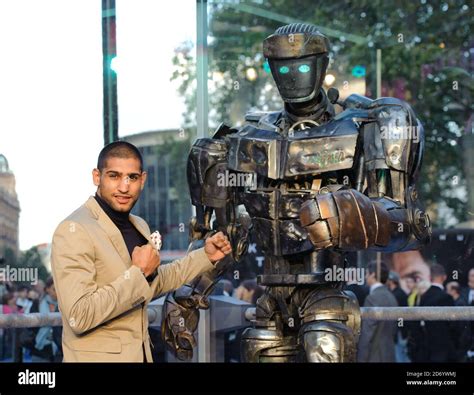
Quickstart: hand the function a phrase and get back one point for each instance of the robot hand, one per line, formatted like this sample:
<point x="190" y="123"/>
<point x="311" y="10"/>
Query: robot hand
<point x="180" y="321"/>
<point x="345" y="219"/>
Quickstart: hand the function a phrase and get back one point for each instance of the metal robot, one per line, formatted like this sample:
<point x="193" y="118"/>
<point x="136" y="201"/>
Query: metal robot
<point x="323" y="184"/>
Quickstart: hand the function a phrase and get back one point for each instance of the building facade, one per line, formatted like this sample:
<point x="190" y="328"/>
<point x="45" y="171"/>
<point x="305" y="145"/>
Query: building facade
<point x="9" y="209"/>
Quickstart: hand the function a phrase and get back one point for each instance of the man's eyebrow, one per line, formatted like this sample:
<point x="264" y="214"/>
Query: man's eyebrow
<point x="118" y="173"/>
<point x="412" y="274"/>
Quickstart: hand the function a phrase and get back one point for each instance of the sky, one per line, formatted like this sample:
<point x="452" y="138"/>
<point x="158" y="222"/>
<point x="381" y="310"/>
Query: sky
<point x="51" y="127"/>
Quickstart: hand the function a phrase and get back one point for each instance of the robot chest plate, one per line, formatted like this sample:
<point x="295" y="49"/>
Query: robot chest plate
<point x="311" y="151"/>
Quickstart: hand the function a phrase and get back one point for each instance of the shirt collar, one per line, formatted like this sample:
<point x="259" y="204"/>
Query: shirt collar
<point x="440" y="286"/>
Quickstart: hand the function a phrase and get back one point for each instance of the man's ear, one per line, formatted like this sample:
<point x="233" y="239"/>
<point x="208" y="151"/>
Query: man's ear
<point x="96" y="177"/>
<point x="144" y="175"/>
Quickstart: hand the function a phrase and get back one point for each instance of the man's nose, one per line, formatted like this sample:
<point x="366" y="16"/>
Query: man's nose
<point x="124" y="185"/>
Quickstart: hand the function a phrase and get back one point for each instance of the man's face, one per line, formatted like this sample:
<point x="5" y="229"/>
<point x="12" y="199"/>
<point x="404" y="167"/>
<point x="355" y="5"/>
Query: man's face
<point x="470" y="280"/>
<point x="409" y="284"/>
<point x="51" y="291"/>
<point x="451" y="290"/>
<point x="120" y="182"/>
<point x="370" y="278"/>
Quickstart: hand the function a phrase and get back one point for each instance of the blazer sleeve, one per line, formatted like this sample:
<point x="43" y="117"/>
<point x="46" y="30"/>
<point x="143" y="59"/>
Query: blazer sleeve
<point x="83" y="303"/>
<point x="181" y="271"/>
<point x="173" y="275"/>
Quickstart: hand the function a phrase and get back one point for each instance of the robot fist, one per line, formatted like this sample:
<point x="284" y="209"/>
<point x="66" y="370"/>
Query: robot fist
<point x="345" y="219"/>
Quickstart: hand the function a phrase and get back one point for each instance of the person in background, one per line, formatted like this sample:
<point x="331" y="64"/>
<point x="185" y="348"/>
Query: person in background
<point x="437" y="344"/>
<point x="360" y="291"/>
<point x="454" y="290"/>
<point x="410" y="286"/>
<point x="376" y="342"/>
<point x="415" y="330"/>
<point x="249" y="291"/>
<point x="393" y="283"/>
<point x="9" y="305"/>
<point x="22" y="300"/>
<point x="468" y="295"/>
<point x="463" y="340"/>
<point x="223" y="287"/>
<point x="46" y="346"/>
<point x="39" y="288"/>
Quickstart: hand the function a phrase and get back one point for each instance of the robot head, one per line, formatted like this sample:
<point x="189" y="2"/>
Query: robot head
<point x="298" y="57"/>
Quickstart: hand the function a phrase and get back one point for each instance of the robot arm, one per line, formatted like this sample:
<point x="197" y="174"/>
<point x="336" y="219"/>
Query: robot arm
<point x="387" y="216"/>
<point x="212" y="198"/>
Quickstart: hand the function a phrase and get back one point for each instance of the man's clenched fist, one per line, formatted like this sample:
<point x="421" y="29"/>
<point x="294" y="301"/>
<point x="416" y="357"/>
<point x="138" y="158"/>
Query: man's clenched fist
<point x="146" y="258"/>
<point x="217" y="247"/>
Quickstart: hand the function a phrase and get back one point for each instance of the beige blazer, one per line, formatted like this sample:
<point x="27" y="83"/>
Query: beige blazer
<point x="102" y="297"/>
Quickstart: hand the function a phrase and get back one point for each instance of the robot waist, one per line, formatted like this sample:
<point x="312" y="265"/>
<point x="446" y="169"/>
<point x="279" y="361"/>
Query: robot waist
<point x="281" y="237"/>
<point x="317" y="267"/>
<point x="291" y="279"/>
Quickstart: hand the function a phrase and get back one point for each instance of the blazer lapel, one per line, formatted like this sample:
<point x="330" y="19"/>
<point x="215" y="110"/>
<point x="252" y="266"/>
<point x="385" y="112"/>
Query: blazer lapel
<point x="110" y="229"/>
<point x="140" y="228"/>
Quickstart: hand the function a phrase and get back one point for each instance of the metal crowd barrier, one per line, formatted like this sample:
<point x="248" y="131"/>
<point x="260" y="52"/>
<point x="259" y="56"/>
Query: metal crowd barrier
<point x="226" y="314"/>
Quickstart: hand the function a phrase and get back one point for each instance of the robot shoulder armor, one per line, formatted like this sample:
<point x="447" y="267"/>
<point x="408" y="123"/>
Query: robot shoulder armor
<point x="398" y="135"/>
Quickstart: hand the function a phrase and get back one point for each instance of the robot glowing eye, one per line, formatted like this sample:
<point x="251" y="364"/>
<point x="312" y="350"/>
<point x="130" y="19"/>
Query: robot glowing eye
<point x="304" y="68"/>
<point x="284" y="69"/>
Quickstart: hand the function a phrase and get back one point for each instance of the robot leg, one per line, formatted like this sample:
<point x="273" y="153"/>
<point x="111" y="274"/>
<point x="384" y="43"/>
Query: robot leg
<point x="330" y="326"/>
<point x="266" y="342"/>
<point x="268" y="345"/>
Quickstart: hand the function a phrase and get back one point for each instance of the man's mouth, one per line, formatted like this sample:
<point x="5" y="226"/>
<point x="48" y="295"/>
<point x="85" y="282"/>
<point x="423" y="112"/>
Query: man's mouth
<point x="122" y="199"/>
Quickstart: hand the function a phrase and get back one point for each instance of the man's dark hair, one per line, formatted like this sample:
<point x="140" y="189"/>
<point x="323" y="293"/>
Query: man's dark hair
<point x="119" y="149"/>
<point x="455" y="286"/>
<point x="372" y="268"/>
<point x="437" y="270"/>
<point x="49" y="283"/>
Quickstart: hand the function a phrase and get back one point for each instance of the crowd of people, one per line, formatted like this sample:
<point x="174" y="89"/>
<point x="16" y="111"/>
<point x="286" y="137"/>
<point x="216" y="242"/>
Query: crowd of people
<point x="380" y="341"/>
<point x="414" y="341"/>
<point x="41" y="344"/>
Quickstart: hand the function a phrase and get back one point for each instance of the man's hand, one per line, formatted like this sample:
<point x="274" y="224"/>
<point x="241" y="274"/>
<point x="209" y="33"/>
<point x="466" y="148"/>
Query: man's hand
<point x="146" y="258"/>
<point x="217" y="247"/>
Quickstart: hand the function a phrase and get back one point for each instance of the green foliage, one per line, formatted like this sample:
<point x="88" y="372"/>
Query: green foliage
<point x="32" y="259"/>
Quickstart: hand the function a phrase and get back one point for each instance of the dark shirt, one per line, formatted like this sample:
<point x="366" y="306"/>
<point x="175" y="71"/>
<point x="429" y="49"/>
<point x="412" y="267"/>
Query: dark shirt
<point x="132" y="237"/>
<point x="401" y="296"/>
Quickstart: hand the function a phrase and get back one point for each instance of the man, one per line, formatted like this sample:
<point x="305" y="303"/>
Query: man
<point x="47" y="346"/>
<point x="453" y="289"/>
<point x="376" y="342"/>
<point x="393" y="284"/>
<point x="463" y="340"/>
<point x="468" y="293"/>
<point x="106" y="270"/>
<point x="438" y="344"/>
<point x="360" y="291"/>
